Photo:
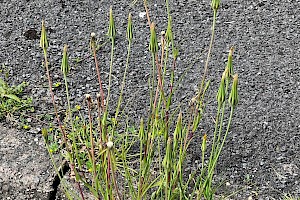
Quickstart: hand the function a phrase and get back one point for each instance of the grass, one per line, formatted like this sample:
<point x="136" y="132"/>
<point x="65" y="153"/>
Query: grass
<point x="112" y="159"/>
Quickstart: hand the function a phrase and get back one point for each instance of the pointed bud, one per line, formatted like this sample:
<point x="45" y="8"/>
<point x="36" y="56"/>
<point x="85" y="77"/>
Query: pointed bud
<point x="215" y="4"/>
<point x="221" y="91"/>
<point x="229" y="62"/>
<point x="233" y="97"/>
<point x="43" y="40"/>
<point x="153" y="45"/>
<point x="169" y="33"/>
<point x="65" y="68"/>
<point x="142" y="135"/>
<point x="111" y="29"/>
<point x="204" y="139"/>
<point x="129" y="28"/>
<point x="45" y="135"/>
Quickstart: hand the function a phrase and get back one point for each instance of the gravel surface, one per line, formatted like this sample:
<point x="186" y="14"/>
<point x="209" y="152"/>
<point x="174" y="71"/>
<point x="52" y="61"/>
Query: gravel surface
<point x="261" y="156"/>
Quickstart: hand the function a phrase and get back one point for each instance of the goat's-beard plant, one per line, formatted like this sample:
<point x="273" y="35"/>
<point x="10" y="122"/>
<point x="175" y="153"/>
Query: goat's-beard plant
<point x="110" y="159"/>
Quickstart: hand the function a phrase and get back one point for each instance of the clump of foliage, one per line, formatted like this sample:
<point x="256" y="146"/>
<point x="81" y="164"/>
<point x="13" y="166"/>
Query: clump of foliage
<point x="112" y="159"/>
<point x="13" y="104"/>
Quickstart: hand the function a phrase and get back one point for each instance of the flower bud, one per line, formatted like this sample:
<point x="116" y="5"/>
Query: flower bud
<point x="221" y="91"/>
<point x="229" y="62"/>
<point x="153" y="45"/>
<point x="129" y="28"/>
<point x="45" y="135"/>
<point x="65" y="68"/>
<point x="233" y="97"/>
<point x="169" y="33"/>
<point x="111" y="29"/>
<point x="43" y="40"/>
<point x="215" y="4"/>
<point x="204" y="139"/>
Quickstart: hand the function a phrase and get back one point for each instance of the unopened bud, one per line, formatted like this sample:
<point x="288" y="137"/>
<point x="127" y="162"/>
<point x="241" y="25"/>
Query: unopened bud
<point x="153" y="45"/>
<point x="111" y="29"/>
<point x="43" y="40"/>
<point x="233" y="97"/>
<point x="221" y="91"/>
<point x="65" y="68"/>
<point x="129" y="28"/>
<point x="215" y="4"/>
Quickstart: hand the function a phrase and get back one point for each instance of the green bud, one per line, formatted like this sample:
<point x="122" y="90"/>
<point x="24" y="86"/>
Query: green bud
<point x="178" y="130"/>
<point x="142" y="135"/>
<point x="175" y="53"/>
<point x="167" y="162"/>
<point x="43" y="40"/>
<point x="215" y="4"/>
<point x="229" y="62"/>
<point x="45" y="135"/>
<point x="111" y="29"/>
<point x="204" y="139"/>
<point x="169" y="33"/>
<point x="129" y="28"/>
<point x="153" y="45"/>
<point x="221" y="91"/>
<point x="65" y="68"/>
<point x="233" y="97"/>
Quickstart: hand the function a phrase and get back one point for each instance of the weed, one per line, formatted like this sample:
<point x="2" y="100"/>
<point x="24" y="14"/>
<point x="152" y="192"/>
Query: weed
<point x="12" y="104"/>
<point x="112" y="159"/>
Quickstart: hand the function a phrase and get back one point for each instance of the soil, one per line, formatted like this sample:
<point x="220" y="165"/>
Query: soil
<point x="261" y="158"/>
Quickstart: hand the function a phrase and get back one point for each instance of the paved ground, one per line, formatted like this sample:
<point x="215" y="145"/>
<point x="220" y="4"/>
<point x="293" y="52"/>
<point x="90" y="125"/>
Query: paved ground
<point x="263" y="147"/>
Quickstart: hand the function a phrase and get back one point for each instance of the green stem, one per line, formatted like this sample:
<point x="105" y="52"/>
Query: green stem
<point x="123" y="82"/>
<point x="209" y="52"/>
<point x="109" y="77"/>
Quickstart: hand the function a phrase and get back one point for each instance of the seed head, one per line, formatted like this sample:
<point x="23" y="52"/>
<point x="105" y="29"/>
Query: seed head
<point x="109" y="144"/>
<point x="88" y="97"/>
<point x="93" y="41"/>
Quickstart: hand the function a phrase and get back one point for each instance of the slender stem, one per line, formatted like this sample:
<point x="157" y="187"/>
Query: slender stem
<point x="99" y="79"/>
<point x="68" y="100"/>
<point x="52" y="95"/>
<point x="209" y="52"/>
<point x="123" y="82"/>
<point x="113" y="174"/>
<point x="92" y="141"/>
<point x="110" y="75"/>
<point x="147" y="12"/>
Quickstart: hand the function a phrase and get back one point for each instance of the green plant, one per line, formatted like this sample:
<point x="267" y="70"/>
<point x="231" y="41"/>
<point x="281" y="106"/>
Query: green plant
<point x="113" y="160"/>
<point x="12" y="104"/>
<point x="290" y="197"/>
